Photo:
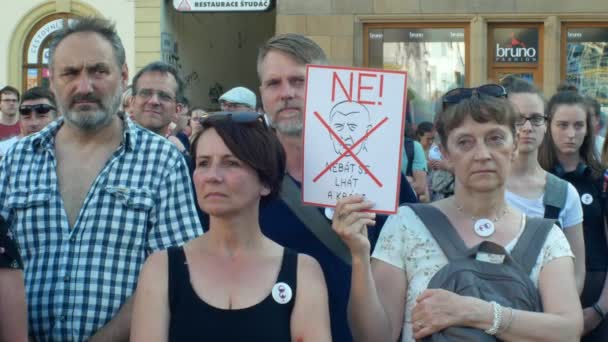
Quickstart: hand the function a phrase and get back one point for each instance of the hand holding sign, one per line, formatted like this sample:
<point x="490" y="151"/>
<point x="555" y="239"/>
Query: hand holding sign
<point x="353" y="135"/>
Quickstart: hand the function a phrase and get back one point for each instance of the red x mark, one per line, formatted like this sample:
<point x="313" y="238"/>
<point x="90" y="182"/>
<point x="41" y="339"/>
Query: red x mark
<point x="348" y="150"/>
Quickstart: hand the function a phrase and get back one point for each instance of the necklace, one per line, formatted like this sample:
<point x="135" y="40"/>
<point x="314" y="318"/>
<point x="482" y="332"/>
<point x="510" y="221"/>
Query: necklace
<point x="482" y="226"/>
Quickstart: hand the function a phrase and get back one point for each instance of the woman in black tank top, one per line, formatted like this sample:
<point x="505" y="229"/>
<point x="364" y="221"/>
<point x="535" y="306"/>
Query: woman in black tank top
<point x="233" y="283"/>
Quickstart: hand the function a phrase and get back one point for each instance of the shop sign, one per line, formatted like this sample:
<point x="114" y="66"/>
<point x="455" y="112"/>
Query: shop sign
<point x="39" y="37"/>
<point x="421" y="35"/>
<point x="516" y="45"/>
<point x="587" y="34"/>
<point x="223" y="5"/>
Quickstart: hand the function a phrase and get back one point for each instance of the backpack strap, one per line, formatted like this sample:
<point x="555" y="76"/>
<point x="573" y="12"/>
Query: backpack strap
<point x="408" y="143"/>
<point x="531" y="242"/>
<point x="442" y="230"/>
<point x="312" y="219"/>
<point x="554" y="199"/>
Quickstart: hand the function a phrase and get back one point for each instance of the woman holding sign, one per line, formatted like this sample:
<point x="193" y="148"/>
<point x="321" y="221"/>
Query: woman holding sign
<point x="390" y="294"/>
<point x="232" y="283"/>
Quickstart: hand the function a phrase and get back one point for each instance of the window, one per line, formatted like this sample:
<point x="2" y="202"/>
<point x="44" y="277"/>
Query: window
<point x="585" y="59"/>
<point x="36" y="50"/>
<point x="434" y="55"/>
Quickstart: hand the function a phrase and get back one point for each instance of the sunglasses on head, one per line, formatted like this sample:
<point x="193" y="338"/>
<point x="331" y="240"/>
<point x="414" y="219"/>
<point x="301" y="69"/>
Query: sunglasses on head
<point x="454" y="96"/>
<point x="237" y="117"/>
<point x="42" y="108"/>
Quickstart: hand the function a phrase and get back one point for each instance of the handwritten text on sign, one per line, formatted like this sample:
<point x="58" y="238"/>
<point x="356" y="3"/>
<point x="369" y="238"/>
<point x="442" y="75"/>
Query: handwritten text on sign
<point x="353" y="131"/>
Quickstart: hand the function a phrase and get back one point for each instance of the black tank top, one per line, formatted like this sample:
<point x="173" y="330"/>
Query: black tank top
<point x="192" y="319"/>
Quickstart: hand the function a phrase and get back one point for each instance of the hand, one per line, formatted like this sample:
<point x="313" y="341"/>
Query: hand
<point x="435" y="310"/>
<point x="350" y="223"/>
<point x="591" y="319"/>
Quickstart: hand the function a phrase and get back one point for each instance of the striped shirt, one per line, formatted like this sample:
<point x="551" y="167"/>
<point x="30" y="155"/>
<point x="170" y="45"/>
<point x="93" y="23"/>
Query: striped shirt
<point x="77" y="278"/>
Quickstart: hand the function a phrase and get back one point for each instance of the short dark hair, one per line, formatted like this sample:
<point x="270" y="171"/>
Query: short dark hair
<point x="303" y="49"/>
<point x="163" y="68"/>
<point x="103" y="27"/>
<point x="255" y="145"/>
<point x="547" y="156"/>
<point x="9" y="90"/>
<point x="516" y="85"/>
<point x="36" y="93"/>
<point x="480" y="109"/>
<point x="424" y="127"/>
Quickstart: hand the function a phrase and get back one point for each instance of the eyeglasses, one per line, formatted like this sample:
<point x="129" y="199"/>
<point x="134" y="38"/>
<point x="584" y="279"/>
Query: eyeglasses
<point x="454" y="96"/>
<point x="535" y="120"/>
<point x="237" y="117"/>
<point x="147" y="94"/>
<point x="42" y="108"/>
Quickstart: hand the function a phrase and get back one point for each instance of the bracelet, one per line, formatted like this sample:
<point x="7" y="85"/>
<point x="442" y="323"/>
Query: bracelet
<point x="497" y="319"/>
<point x="599" y="311"/>
<point x="508" y="324"/>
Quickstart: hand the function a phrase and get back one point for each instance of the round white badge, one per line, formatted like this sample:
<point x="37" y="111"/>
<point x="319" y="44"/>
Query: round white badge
<point x="281" y="293"/>
<point x="484" y="227"/>
<point x="329" y="213"/>
<point x="586" y="199"/>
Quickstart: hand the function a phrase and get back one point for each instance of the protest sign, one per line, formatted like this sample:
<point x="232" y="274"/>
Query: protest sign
<point x="353" y="135"/>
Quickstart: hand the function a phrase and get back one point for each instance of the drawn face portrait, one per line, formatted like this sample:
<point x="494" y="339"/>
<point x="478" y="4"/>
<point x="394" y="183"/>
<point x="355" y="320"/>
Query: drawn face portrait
<point x="350" y="121"/>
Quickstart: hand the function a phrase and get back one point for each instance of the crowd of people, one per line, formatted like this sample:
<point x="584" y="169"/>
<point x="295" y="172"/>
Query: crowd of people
<point x="127" y="214"/>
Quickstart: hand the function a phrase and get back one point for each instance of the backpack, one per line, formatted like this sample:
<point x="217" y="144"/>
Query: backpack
<point x="554" y="200"/>
<point x="408" y="144"/>
<point x="508" y="283"/>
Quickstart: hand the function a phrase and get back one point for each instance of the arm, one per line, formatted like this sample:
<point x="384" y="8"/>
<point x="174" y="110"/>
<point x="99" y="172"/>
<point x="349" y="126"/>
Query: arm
<point x="419" y="170"/>
<point x="419" y="182"/>
<point x="368" y="318"/>
<point x="13" y="310"/>
<point x="591" y="317"/>
<point x="560" y="321"/>
<point x="574" y="235"/>
<point x="118" y="328"/>
<point x="174" y="219"/>
<point x="310" y="317"/>
<point x="150" y="321"/>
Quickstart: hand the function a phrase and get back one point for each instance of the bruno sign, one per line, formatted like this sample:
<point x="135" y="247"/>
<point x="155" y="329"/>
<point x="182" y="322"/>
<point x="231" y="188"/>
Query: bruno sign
<point x="515" y="45"/>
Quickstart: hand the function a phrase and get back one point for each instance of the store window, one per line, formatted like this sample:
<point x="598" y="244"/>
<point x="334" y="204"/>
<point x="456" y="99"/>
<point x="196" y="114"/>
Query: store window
<point x="36" y="50"/>
<point x="515" y="50"/>
<point x="585" y="54"/>
<point x="434" y="56"/>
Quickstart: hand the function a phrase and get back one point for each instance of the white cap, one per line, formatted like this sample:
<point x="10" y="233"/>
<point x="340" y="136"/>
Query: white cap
<point x="240" y="95"/>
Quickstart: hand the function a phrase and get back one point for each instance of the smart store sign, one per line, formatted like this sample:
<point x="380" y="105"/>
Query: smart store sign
<point x="516" y="45"/>
<point x="223" y="5"/>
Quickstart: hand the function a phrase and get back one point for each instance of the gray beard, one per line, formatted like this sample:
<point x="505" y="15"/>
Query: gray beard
<point x="95" y="120"/>
<point x="291" y="128"/>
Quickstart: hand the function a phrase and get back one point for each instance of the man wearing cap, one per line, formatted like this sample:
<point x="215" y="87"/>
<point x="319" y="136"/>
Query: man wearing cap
<point x="239" y="99"/>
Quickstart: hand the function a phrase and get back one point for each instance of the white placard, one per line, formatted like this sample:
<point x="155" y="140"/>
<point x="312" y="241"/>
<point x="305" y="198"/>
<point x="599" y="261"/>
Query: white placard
<point x="353" y="135"/>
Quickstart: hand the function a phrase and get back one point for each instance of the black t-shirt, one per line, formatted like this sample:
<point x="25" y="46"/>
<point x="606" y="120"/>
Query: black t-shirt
<point x="9" y="254"/>
<point x="593" y="200"/>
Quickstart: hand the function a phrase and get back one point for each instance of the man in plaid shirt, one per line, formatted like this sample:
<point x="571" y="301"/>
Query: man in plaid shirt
<point x="91" y="195"/>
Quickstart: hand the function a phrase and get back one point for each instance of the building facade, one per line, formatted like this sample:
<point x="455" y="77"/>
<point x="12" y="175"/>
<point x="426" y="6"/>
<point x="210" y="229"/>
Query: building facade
<point x="441" y="43"/>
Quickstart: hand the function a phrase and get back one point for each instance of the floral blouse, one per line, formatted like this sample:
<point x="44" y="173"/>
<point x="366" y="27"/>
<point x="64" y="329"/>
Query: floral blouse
<point x="406" y="243"/>
<point x="9" y="254"/>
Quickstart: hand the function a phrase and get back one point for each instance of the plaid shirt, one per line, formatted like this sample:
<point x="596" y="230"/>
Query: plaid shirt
<point x="77" y="278"/>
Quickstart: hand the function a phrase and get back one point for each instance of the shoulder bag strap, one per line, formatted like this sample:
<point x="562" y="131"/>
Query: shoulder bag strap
<point x="312" y="219"/>
<point x="556" y="191"/>
<point x="531" y="241"/>
<point x="442" y="230"/>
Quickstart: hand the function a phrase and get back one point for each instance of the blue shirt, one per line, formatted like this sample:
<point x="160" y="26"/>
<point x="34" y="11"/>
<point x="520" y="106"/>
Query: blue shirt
<point x="77" y="278"/>
<point x="419" y="163"/>
<point x="280" y="224"/>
